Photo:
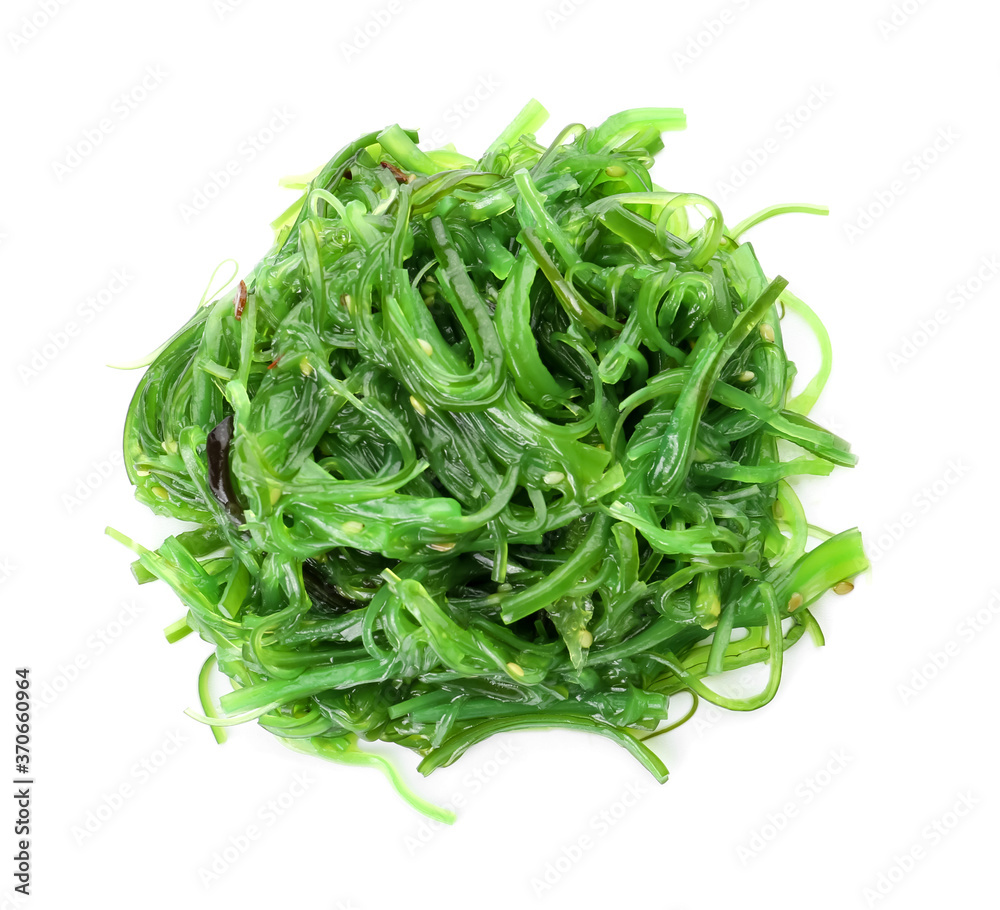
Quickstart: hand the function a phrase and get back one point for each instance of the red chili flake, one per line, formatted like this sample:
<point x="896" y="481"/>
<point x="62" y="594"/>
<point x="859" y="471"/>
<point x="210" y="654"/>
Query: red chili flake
<point x="241" y="299"/>
<point x="396" y="172"/>
<point x="274" y="362"/>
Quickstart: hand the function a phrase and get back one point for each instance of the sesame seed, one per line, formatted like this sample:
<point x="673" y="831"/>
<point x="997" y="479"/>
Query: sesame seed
<point x="586" y="639"/>
<point x="418" y="406"/>
<point x="844" y="587"/>
<point x="353" y="527"/>
<point x="767" y="333"/>
<point x="554" y="477"/>
<point x="159" y="492"/>
<point x="170" y="446"/>
<point x="615" y="170"/>
<point x="515" y="670"/>
<point x="306" y="367"/>
<point x="795" y="601"/>
<point x="425" y="346"/>
<point x="747" y="376"/>
<point x="442" y="547"/>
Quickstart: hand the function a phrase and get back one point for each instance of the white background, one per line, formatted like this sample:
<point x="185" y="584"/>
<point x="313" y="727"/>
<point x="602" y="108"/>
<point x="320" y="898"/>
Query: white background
<point x="826" y="798"/>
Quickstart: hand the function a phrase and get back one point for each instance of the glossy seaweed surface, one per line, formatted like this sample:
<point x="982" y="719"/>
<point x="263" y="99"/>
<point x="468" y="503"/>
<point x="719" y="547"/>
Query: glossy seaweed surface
<point x="483" y="445"/>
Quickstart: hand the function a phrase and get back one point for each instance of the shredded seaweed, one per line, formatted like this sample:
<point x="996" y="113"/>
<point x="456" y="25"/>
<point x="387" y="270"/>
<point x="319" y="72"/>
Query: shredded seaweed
<point x="488" y="444"/>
